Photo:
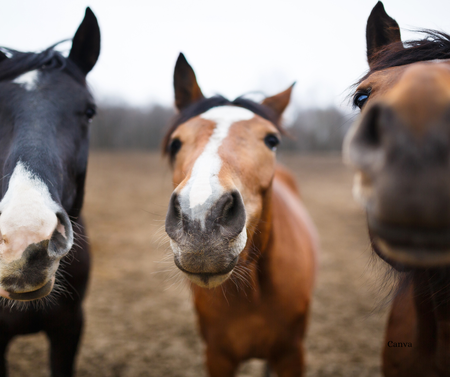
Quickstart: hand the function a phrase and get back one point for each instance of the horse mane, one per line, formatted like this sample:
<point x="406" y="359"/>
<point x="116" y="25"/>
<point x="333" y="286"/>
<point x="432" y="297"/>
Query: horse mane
<point x="206" y="104"/>
<point x="19" y="62"/>
<point x="435" y="45"/>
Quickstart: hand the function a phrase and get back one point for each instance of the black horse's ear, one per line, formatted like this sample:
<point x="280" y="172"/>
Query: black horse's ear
<point x="2" y="56"/>
<point x="381" y="30"/>
<point x="279" y="102"/>
<point x="185" y="84"/>
<point x="86" y="43"/>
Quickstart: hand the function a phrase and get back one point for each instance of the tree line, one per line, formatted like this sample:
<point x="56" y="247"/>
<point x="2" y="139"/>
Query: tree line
<point x="121" y="127"/>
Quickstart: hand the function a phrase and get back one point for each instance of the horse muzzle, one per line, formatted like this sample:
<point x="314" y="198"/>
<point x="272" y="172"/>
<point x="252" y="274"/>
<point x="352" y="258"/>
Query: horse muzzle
<point x="208" y="280"/>
<point x="406" y="247"/>
<point x="30" y="275"/>
<point x="207" y="241"/>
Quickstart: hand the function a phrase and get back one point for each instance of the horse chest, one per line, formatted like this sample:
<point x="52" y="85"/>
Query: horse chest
<point x="247" y="330"/>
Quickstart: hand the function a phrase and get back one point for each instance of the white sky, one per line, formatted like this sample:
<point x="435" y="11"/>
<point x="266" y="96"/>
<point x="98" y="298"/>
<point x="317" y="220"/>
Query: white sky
<point x="234" y="46"/>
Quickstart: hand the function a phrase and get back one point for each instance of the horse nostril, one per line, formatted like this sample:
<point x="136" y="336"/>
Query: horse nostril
<point x="62" y="238"/>
<point x="61" y="229"/>
<point x="365" y="146"/>
<point x="230" y="212"/>
<point x="230" y="207"/>
<point x="173" y="217"/>
<point x="369" y="133"/>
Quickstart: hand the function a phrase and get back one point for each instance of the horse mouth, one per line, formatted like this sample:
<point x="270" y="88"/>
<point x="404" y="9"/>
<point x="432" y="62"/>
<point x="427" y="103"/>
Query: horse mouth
<point x="208" y="279"/>
<point x="409" y="246"/>
<point x="33" y="295"/>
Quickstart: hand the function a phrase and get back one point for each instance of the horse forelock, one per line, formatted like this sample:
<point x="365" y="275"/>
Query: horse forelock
<point x="206" y="104"/>
<point x="19" y="63"/>
<point x="435" y="46"/>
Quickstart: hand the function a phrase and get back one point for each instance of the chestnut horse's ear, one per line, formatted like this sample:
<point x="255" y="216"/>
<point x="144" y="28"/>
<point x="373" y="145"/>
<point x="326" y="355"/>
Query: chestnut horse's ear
<point x="185" y="84"/>
<point x="279" y="102"/>
<point x="381" y="30"/>
<point x="86" y="43"/>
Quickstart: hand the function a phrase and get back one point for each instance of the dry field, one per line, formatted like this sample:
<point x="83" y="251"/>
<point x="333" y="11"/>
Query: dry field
<point x="139" y="317"/>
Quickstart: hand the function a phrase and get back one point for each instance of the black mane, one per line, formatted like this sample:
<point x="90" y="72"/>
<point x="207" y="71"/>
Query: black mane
<point x="206" y="104"/>
<point x="19" y="63"/>
<point x="435" y="45"/>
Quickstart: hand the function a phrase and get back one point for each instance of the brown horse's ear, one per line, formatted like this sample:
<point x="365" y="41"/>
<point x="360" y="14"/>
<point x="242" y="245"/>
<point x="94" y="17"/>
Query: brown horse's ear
<point x="381" y="30"/>
<point x="86" y="43"/>
<point x="185" y="84"/>
<point x="279" y="102"/>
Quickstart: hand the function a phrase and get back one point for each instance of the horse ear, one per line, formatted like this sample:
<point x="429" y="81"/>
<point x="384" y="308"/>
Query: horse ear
<point x="381" y="30"/>
<point x="279" y="102"/>
<point x="86" y="43"/>
<point x="2" y="56"/>
<point x="185" y="84"/>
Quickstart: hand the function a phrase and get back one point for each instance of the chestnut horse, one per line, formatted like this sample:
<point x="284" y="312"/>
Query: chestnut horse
<point x="400" y="147"/>
<point x="45" y="111"/>
<point x="238" y="229"/>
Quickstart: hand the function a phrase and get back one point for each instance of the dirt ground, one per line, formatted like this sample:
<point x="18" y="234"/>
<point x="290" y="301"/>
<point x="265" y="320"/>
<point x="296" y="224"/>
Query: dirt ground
<point x="139" y="316"/>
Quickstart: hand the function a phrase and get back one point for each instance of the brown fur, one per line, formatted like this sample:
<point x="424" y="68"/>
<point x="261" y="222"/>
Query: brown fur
<point x="399" y="147"/>
<point x="268" y="318"/>
<point x="261" y="310"/>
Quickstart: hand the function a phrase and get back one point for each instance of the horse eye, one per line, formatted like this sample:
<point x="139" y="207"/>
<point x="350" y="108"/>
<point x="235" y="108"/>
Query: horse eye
<point x="174" y="147"/>
<point x="360" y="98"/>
<point x="272" y="141"/>
<point x="90" y="113"/>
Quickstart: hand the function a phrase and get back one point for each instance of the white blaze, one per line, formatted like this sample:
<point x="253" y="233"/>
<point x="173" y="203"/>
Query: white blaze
<point x="204" y="180"/>
<point x="28" y="80"/>
<point x="203" y="188"/>
<point x="28" y="214"/>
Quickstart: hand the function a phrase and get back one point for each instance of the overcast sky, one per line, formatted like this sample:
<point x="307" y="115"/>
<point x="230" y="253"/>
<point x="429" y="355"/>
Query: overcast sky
<point x="234" y="46"/>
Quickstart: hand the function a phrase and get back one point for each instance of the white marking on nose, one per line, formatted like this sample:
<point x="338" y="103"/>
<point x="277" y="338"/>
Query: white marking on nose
<point x="204" y="180"/>
<point x="28" y="80"/>
<point x="28" y="213"/>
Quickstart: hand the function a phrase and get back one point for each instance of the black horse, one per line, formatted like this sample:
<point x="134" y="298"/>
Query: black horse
<point x="45" y="111"/>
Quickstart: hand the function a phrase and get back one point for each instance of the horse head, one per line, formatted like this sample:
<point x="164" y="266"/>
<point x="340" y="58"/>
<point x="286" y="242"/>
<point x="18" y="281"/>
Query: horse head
<point x="45" y="111"/>
<point x="223" y="158"/>
<point x="400" y="144"/>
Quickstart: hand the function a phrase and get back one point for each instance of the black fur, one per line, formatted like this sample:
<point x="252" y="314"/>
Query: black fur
<point x="47" y="130"/>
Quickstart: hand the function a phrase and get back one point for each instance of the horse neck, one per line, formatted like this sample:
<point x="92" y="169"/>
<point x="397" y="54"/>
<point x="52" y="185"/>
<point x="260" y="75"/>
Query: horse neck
<point x="262" y="234"/>
<point x="432" y="302"/>
<point x="77" y="205"/>
<point x="258" y="246"/>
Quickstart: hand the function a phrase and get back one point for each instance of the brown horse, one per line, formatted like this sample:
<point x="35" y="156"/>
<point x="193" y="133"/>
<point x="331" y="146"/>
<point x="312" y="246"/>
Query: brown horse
<point x="400" y="146"/>
<point x="238" y="229"/>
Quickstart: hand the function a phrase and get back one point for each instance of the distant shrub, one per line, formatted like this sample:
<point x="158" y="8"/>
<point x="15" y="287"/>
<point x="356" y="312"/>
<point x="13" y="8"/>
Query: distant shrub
<point x="121" y="127"/>
<point x="316" y="130"/>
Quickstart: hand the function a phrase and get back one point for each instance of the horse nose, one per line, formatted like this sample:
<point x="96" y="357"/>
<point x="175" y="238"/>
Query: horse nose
<point x="363" y="146"/>
<point x="225" y="218"/>
<point x="32" y="251"/>
<point x="404" y="178"/>
<point x="18" y="234"/>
